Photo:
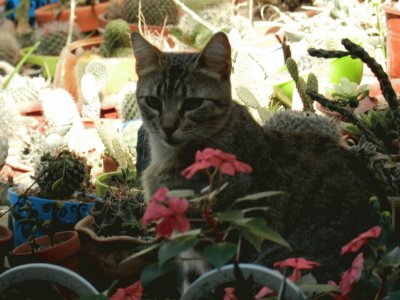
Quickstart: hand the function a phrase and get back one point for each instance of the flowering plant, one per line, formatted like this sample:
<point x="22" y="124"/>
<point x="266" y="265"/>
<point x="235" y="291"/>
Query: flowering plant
<point x="218" y="234"/>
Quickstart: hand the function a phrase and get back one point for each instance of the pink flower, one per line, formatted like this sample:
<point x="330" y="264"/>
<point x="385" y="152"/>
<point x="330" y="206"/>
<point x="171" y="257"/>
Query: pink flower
<point x="169" y="217"/>
<point x="361" y="240"/>
<point x="265" y="291"/>
<point x="132" y="292"/>
<point x="229" y="293"/>
<point x="352" y="275"/>
<point x="225" y="162"/>
<point x="297" y="264"/>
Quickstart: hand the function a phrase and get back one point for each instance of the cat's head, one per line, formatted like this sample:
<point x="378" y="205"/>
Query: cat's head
<point x="183" y="97"/>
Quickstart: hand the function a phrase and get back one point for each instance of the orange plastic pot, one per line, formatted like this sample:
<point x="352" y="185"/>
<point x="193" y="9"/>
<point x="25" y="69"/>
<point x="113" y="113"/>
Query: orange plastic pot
<point x="85" y="16"/>
<point x="393" y="38"/>
<point x="64" y="252"/>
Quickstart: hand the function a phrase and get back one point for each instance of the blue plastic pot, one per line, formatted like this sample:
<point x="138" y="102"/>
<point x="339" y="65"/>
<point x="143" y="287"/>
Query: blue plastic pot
<point x="66" y="215"/>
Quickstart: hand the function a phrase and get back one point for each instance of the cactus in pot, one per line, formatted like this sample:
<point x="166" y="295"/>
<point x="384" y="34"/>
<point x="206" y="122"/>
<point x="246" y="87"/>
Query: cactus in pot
<point x="154" y="11"/>
<point x="59" y="176"/>
<point x="53" y="37"/>
<point x="117" y="42"/>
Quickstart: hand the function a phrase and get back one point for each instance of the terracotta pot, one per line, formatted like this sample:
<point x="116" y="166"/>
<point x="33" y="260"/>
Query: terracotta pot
<point x="2" y="2"/>
<point x="109" y="164"/>
<point x="121" y="70"/>
<point x="85" y="16"/>
<point x="393" y="38"/>
<point x="64" y="252"/>
<point x="104" y="254"/>
<point x="5" y="244"/>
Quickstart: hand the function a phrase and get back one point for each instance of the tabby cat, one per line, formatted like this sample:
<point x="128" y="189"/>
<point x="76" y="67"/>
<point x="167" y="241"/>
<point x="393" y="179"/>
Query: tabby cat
<point x="186" y="105"/>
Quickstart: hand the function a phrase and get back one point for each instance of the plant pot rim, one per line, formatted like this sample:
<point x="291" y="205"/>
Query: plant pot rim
<point x="70" y="238"/>
<point x="85" y="226"/>
<point x="389" y="7"/>
<point x="24" y="51"/>
<point x="48" y="200"/>
<point x="50" y="7"/>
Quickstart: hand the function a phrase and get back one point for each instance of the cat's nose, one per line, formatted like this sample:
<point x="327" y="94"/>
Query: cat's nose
<point x="169" y="130"/>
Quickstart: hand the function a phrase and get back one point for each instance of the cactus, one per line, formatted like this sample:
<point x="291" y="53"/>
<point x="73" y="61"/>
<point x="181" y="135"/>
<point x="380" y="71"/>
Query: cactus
<point x="301" y="85"/>
<point x="114" y="10"/>
<point x="9" y="48"/>
<point x="3" y="150"/>
<point x="119" y="213"/>
<point x="91" y="97"/>
<point x="10" y="119"/>
<point x="379" y="130"/>
<point x="59" y="176"/>
<point x="99" y="70"/>
<point x="53" y="37"/>
<point x="154" y="11"/>
<point x="59" y="110"/>
<point x="117" y="42"/>
<point x="128" y="108"/>
<point x="290" y="120"/>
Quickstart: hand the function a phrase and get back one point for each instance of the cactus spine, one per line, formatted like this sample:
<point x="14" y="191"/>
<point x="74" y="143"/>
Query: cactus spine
<point x="301" y="85"/>
<point x="128" y="108"/>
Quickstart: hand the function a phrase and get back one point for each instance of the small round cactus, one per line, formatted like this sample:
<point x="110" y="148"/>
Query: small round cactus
<point x="53" y="37"/>
<point x="117" y="41"/>
<point x="59" y="176"/>
<point x="9" y="48"/>
<point x="290" y="120"/>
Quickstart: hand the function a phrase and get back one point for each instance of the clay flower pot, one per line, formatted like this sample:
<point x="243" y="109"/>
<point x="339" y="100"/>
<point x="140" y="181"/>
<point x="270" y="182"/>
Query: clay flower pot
<point x="121" y="69"/>
<point x="105" y="254"/>
<point x="85" y="16"/>
<point x="5" y="243"/>
<point x="393" y="37"/>
<point x="64" y="252"/>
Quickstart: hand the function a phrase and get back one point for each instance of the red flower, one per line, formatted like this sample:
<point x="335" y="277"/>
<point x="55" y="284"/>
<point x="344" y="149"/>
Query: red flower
<point x="225" y="162"/>
<point x="352" y="275"/>
<point x="297" y="264"/>
<point x="132" y="292"/>
<point x="361" y="240"/>
<point x="168" y="218"/>
<point x="265" y="291"/>
<point x="229" y="293"/>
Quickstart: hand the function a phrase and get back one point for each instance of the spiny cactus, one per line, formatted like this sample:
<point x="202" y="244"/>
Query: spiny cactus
<point x="290" y="120"/>
<point x="59" y="176"/>
<point x="99" y="70"/>
<point x="379" y="130"/>
<point x="301" y="85"/>
<point x="91" y="97"/>
<point x="114" y="10"/>
<point x="117" y="42"/>
<point x="154" y="11"/>
<point x="3" y="150"/>
<point x="128" y="109"/>
<point x="9" y="48"/>
<point x="10" y="119"/>
<point x="53" y="37"/>
<point x="119" y="213"/>
<point x="60" y="110"/>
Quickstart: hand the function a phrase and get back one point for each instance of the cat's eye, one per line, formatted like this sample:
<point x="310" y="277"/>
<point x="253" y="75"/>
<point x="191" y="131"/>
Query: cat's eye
<point x="153" y="102"/>
<point x="191" y="104"/>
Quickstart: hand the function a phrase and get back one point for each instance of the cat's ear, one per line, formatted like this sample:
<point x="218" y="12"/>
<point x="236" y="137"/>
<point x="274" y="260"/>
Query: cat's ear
<point x="216" y="56"/>
<point x="147" y="56"/>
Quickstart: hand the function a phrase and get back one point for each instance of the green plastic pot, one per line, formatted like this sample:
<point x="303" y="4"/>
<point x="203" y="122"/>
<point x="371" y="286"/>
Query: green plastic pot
<point x="48" y="63"/>
<point x="347" y="67"/>
<point x="102" y="186"/>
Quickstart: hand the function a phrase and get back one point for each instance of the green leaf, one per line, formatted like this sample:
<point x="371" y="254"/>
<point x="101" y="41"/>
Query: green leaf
<point x="220" y="253"/>
<point x="307" y="280"/>
<point x="247" y="210"/>
<point x="155" y="270"/>
<point x="230" y="215"/>
<point x="259" y="227"/>
<point x="319" y="288"/>
<point x="140" y="253"/>
<point x="259" y="196"/>
<point x="392" y="258"/>
<point x="255" y="240"/>
<point x="56" y="184"/>
<point x="174" y="247"/>
<point x="94" y="297"/>
<point x="182" y="193"/>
